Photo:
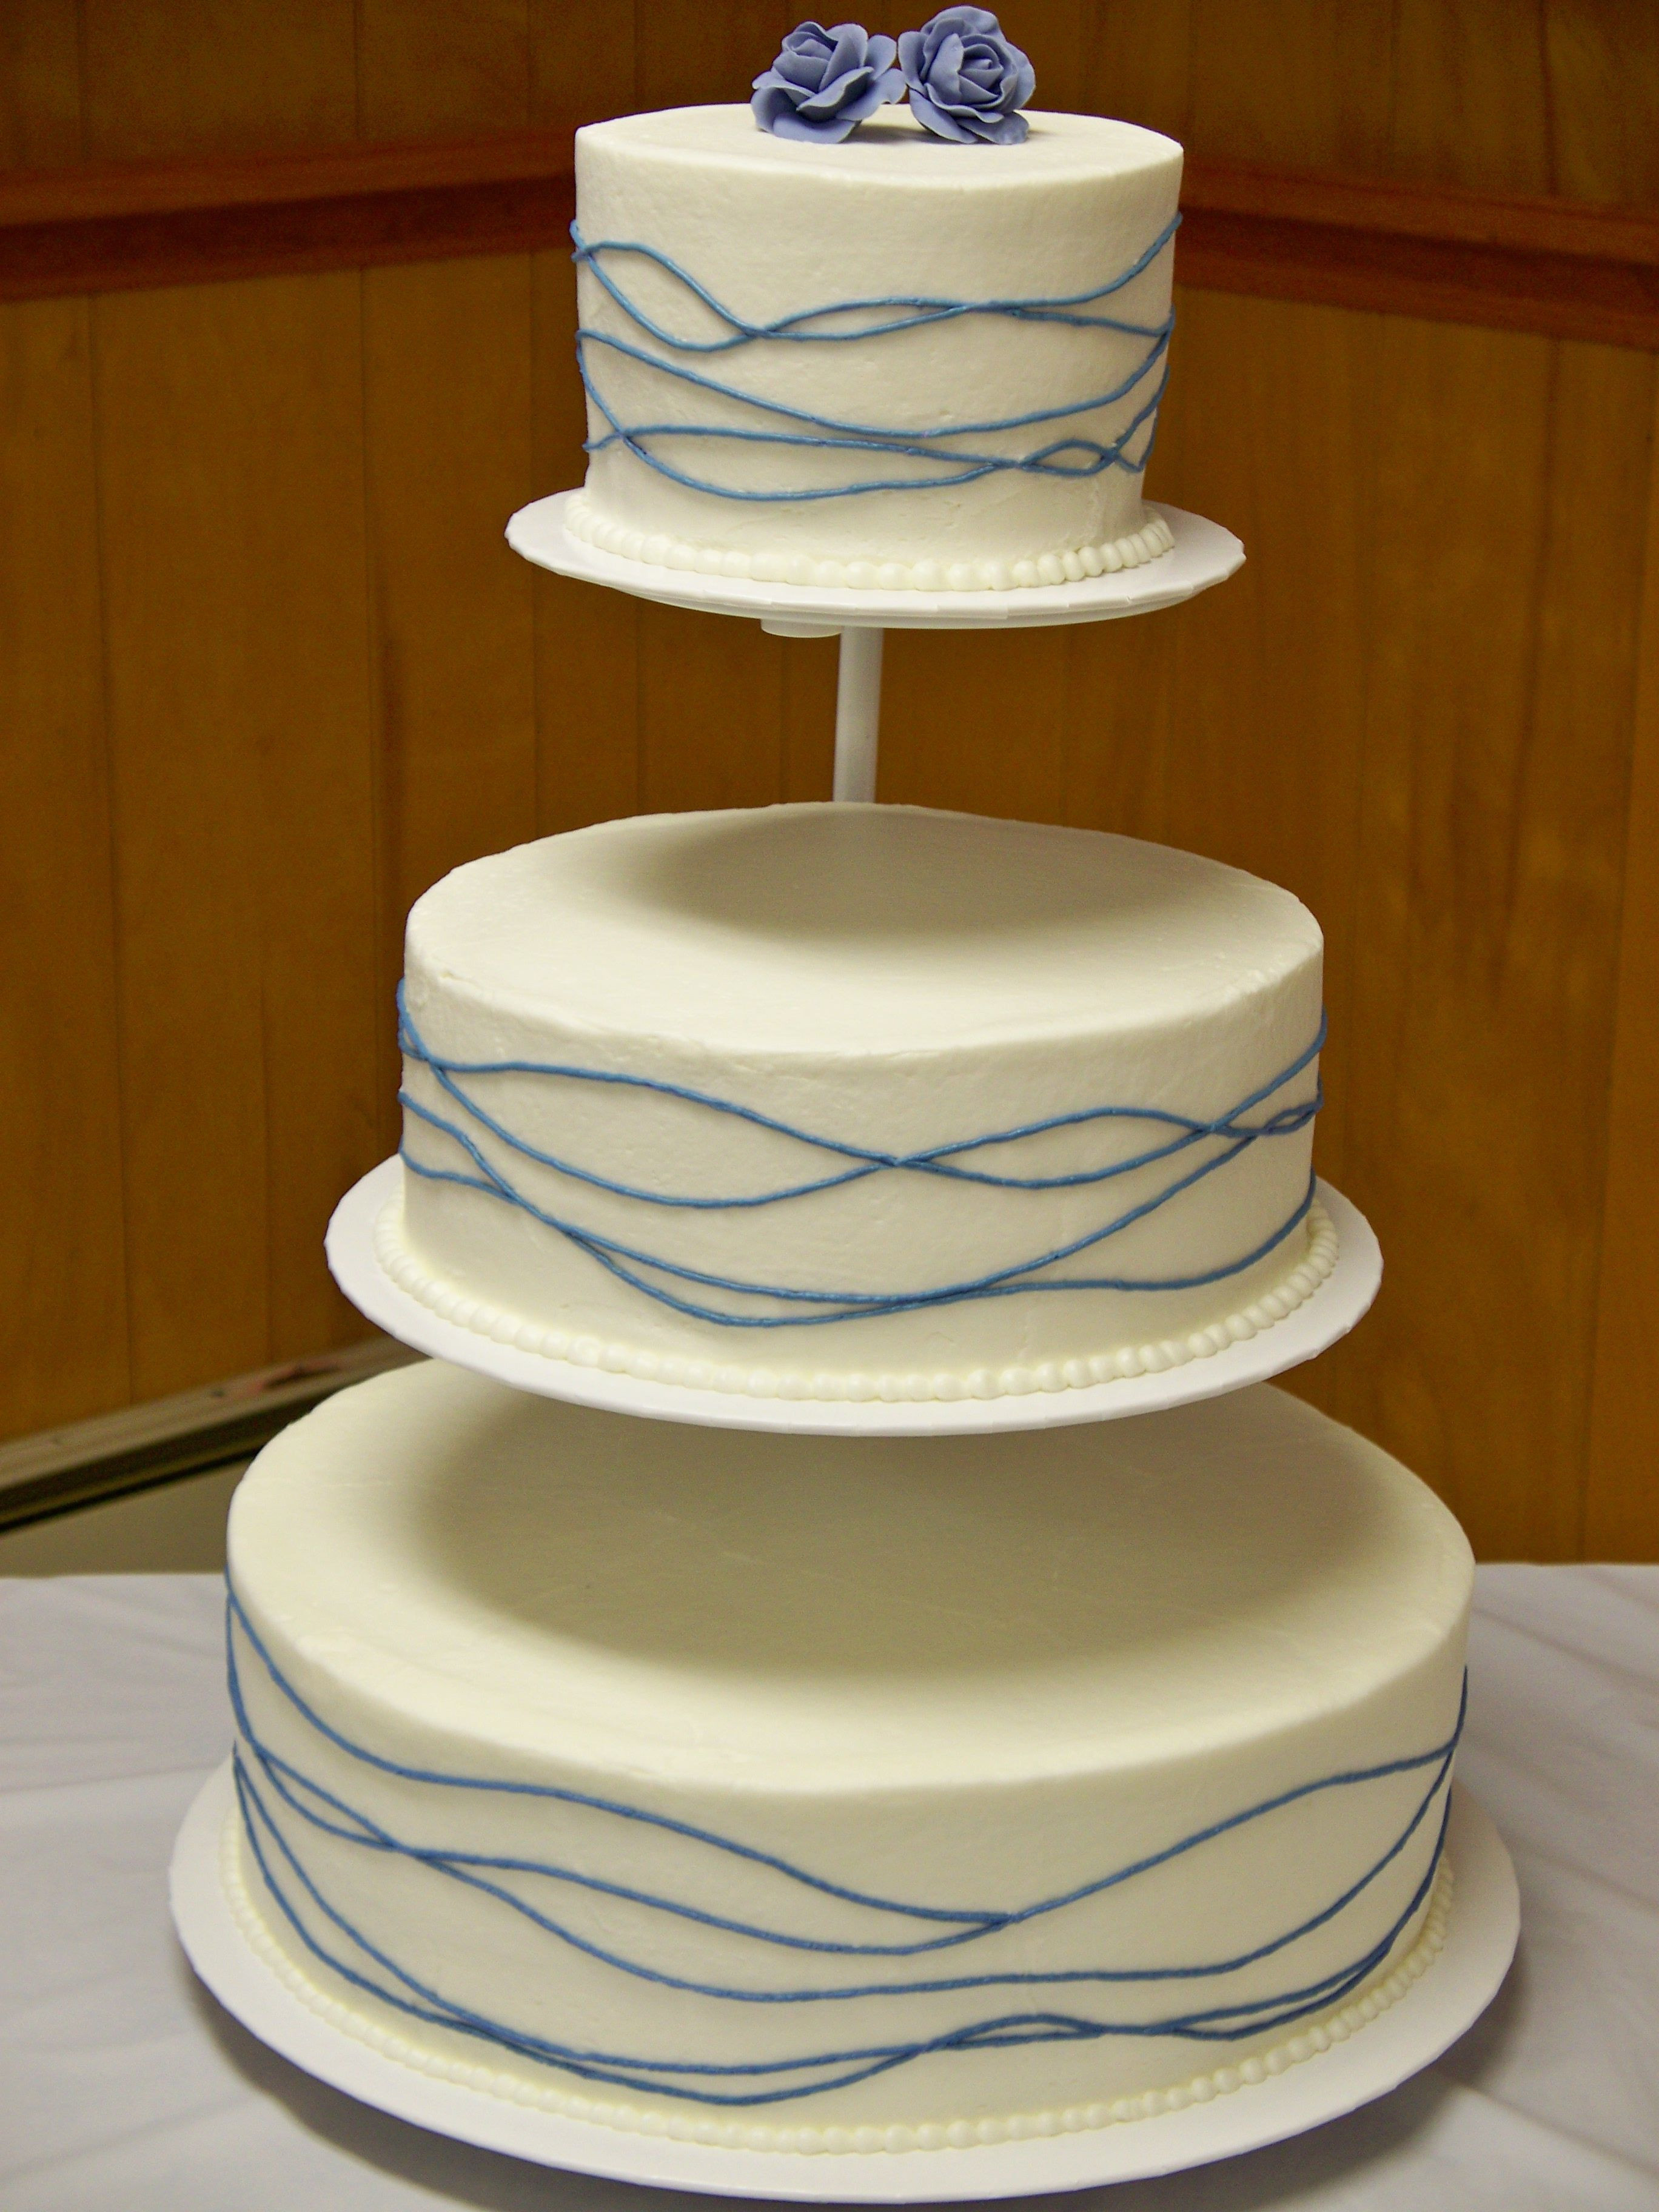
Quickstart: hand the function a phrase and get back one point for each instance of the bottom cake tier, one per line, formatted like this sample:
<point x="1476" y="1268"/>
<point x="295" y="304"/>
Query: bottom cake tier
<point x="795" y="1792"/>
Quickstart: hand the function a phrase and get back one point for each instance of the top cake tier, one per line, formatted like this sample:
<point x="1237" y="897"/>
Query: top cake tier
<point x="850" y="1102"/>
<point x="894" y="363"/>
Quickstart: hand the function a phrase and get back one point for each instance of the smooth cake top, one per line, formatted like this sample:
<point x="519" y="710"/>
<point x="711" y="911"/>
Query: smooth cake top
<point x="891" y="147"/>
<point x="856" y="929"/>
<point x="732" y="1607"/>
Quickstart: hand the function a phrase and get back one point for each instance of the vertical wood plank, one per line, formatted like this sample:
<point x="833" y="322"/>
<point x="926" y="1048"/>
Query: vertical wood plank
<point x="975" y="719"/>
<point x="1496" y="741"/>
<point x="187" y="856"/>
<point x="39" y="84"/>
<point x="1267" y="435"/>
<point x="690" y="53"/>
<point x="442" y="72"/>
<point x="1139" y="63"/>
<point x="582" y="59"/>
<point x="587" y="705"/>
<point x="1292" y="84"/>
<point x="447" y="365"/>
<point x="229" y="444"/>
<point x="1120" y="697"/>
<point x="317" y="792"/>
<point x="1059" y="36"/>
<point x="711" y="691"/>
<point x="1602" y="60"/>
<point x="810" y="667"/>
<point x="1621" y="1504"/>
<point x="62" y="1262"/>
<point x="216" y="76"/>
<point x="1471" y="95"/>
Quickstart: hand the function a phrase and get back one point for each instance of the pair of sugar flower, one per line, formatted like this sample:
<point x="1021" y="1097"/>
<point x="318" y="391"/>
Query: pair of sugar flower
<point x="966" y="82"/>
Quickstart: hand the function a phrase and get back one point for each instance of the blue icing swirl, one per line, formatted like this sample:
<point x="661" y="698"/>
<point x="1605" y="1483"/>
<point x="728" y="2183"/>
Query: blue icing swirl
<point x="1074" y="455"/>
<point x="661" y="1278"/>
<point x="313" y="1806"/>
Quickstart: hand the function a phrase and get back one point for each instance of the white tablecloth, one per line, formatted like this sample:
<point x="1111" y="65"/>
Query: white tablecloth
<point x="125" y="2088"/>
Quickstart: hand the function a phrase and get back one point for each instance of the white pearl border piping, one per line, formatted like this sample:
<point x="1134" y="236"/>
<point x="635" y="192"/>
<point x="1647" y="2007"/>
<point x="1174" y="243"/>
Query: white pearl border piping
<point x="484" y="1319"/>
<point x="930" y="2134"/>
<point x="657" y="551"/>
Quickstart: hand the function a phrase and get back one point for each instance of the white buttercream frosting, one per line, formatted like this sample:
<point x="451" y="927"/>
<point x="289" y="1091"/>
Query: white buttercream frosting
<point x="965" y="1675"/>
<point x="881" y="981"/>
<point x="1072" y="565"/>
<point x="773" y="228"/>
<point x="854" y="1385"/>
<point x="376" y="2033"/>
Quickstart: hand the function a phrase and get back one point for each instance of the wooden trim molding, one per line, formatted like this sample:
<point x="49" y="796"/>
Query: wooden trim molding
<point x="1552" y="267"/>
<point x="133" y="226"/>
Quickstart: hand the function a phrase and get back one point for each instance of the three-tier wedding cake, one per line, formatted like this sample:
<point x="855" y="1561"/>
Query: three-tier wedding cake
<point x="859" y="1793"/>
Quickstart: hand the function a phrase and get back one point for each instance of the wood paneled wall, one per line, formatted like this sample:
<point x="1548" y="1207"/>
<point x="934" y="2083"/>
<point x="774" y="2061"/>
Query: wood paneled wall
<point x="267" y="670"/>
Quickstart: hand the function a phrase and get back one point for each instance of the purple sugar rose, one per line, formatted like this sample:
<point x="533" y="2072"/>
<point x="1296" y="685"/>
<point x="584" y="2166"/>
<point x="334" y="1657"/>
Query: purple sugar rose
<point x="967" y="81"/>
<point x="825" y="83"/>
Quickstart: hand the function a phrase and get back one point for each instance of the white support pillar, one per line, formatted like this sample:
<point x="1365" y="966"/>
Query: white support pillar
<point x="858" y="714"/>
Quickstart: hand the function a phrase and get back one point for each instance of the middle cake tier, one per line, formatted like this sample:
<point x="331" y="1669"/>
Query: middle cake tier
<point x="860" y="1101"/>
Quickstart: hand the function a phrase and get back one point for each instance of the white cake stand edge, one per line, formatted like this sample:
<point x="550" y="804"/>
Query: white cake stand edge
<point x="1480" y="1941"/>
<point x="1203" y="554"/>
<point x="1332" y="1310"/>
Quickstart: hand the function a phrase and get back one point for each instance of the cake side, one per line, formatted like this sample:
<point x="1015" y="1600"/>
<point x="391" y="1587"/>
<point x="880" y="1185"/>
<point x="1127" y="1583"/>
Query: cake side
<point x="890" y="362"/>
<point x="858" y="1101"/>
<point x="1057" y="1771"/>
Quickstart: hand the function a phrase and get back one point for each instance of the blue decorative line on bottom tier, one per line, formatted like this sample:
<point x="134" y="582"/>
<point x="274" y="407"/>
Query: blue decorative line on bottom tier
<point x="1231" y="1131"/>
<point x="258" y="1769"/>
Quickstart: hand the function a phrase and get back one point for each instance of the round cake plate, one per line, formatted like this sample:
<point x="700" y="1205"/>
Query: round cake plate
<point x="1203" y="554"/>
<point x="1329" y="1313"/>
<point x="1480" y="1940"/>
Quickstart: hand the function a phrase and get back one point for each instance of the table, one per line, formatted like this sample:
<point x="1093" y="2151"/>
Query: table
<point x="125" y="2088"/>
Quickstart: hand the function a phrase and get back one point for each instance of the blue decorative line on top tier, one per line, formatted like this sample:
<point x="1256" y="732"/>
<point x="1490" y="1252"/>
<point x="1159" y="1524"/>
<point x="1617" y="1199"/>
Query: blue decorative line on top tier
<point x="325" y="1812"/>
<point x="1233" y="1132"/>
<point x="1073" y="456"/>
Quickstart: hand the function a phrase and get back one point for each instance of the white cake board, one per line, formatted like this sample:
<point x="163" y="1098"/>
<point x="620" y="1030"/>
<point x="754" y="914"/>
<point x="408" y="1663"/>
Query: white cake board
<point x="1203" y="554"/>
<point x="1329" y="1313"/>
<point x="1480" y="1940"/>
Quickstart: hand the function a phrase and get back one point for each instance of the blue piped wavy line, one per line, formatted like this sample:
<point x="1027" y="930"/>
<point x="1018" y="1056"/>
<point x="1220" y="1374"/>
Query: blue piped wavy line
<point x="625" y="1261"/>
<point x="934" y="1159"/>
<point x="961" y="469"/>
<point x="1215" y="2023"/>
<point x="1074" y="456"/>
<point x="1220" y="2024"/>
<point x="915" y="311"/>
